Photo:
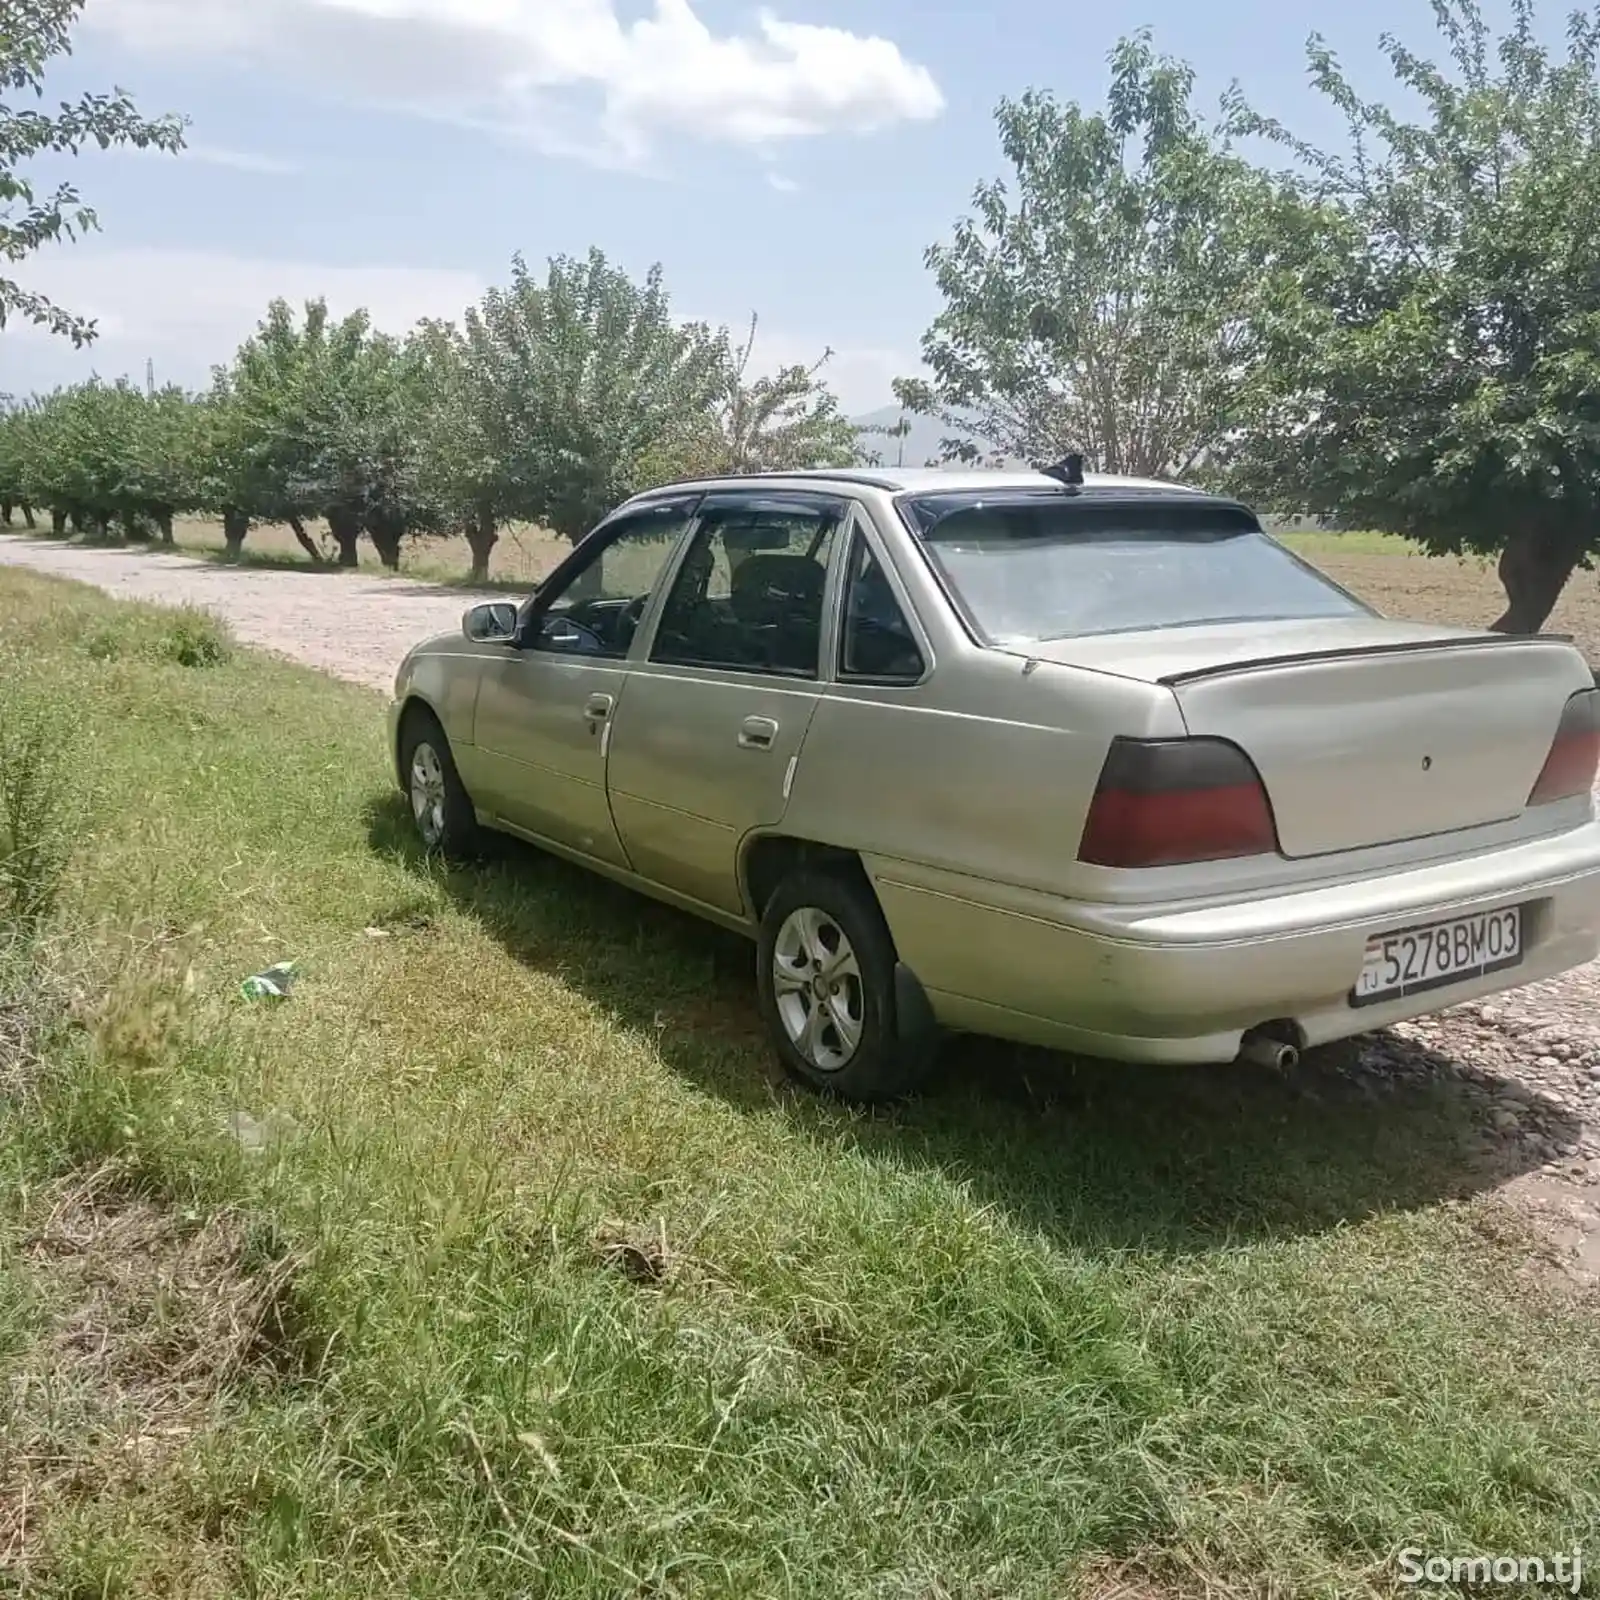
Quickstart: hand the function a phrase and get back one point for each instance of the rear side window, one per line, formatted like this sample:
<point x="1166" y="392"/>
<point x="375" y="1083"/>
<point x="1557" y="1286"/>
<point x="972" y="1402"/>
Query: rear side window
<point x="748" y="597"/>
<point x="1033" y="566"/>
<point x="877" y="642"/>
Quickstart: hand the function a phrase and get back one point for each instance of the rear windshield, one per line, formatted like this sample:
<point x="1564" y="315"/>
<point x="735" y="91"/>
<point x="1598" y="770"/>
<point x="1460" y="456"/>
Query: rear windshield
<point x="1034" y="566"/>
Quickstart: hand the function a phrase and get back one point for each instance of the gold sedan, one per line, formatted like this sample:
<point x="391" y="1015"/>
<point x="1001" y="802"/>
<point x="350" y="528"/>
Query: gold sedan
<point x="1085" y="762"/>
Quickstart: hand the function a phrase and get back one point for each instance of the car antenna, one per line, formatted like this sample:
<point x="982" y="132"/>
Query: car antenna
<point x="1068" y="472"/>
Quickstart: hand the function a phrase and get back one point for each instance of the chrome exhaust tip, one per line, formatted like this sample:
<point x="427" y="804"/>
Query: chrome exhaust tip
<point x="1265" y="1049"/>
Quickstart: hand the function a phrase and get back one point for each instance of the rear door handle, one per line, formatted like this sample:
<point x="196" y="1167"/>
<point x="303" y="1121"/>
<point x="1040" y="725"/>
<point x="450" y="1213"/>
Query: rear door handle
<point x="757" y="733"/>
<point x="598" y="707"/>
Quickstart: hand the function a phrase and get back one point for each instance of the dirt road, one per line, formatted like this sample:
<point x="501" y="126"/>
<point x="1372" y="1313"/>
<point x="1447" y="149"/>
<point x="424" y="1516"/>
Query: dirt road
<point x="345" y="623"/>
<point x="1528" y="1063"/>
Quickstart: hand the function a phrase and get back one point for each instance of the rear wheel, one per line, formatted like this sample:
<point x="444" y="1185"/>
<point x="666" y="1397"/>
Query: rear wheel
<point x="440" y="806"/>
<point x="826" y="975"/>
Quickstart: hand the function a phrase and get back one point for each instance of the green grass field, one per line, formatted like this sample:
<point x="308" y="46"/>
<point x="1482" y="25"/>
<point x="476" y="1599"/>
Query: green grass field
<point x="495" y="1261"/>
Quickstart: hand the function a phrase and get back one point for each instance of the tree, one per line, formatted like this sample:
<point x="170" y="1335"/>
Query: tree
<point x="13" y="489"/>
<point x="32" y="34"/>
<point x="108" y="457"/>
<point x="780" y="422"/>
<point x="466" y="436"/>
<point x="158" y="439"/>
<point x="1433" y="364"/>
<point x="318" y="417"/>
<point x="233" y="468"/>
<point x="1103" y="306"/>
<point x="67" y="462"/>
<point x="589" y="388"/>
<point x="258" y="430"/>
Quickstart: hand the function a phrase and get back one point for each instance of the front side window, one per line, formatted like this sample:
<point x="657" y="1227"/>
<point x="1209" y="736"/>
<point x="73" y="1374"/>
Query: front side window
<point x="596" y="609"/>
<point x="748" y="596"/>
<point x="877" y="641"/>
<point x="1034" y="565"/>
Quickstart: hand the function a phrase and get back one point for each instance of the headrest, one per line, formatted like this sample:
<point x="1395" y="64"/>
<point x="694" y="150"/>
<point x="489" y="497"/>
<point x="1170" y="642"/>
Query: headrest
<point x="766" y="584"/>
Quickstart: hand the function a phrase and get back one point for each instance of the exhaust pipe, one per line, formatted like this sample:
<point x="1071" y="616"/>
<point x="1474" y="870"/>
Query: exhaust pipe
<point x="1262" y="1049"/>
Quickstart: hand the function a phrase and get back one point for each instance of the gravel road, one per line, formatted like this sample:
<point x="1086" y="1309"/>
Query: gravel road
<point x="344" y="623"/>
<point x="1526" y="1065"/>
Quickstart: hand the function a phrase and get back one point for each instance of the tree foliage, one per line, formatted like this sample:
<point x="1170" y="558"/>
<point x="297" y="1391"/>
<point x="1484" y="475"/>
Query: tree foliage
<point x="1100" y="301"/>
<point x="320" y="418"/>
<point x="599" y="390"/>
<point x="105" y="455"/>
<point x="552" y="401"/>
<point x="785" y="421"/>
<point x="33" y="33"/>
<point x="1432" y="360"/>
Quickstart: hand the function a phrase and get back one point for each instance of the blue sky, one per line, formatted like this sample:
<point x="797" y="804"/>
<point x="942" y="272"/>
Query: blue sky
<point x="794" y="160"/>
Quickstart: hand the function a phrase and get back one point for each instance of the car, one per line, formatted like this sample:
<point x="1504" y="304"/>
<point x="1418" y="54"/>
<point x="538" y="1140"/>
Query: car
<point x="1082" y="762"/>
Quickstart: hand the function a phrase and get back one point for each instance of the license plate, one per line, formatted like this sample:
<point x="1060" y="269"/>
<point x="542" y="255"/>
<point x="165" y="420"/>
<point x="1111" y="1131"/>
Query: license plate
<point x="1411" y="960"/>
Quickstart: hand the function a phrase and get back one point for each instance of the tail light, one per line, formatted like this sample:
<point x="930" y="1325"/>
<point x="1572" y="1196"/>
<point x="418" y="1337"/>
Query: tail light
<point x="1574" y="757"/>
<point x="1161" y="802"/>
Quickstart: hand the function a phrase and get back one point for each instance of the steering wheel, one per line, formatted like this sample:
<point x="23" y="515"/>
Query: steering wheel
<point x="627" y="623"/>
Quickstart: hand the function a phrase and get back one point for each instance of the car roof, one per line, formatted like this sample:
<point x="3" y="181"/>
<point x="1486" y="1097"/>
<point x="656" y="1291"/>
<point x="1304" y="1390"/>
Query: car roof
<point x="925" y="480"/>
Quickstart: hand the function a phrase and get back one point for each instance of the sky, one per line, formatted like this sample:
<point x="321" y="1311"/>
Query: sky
<point x="793" y="161"/>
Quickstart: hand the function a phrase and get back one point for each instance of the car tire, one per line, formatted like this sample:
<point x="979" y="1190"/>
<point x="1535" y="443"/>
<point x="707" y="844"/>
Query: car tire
<point x="826" y="977"/>
<point x="441" y="809"/>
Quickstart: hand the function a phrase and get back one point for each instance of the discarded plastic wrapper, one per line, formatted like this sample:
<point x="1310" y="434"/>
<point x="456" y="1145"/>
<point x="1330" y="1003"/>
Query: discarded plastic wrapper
<point x="273" y="984"/>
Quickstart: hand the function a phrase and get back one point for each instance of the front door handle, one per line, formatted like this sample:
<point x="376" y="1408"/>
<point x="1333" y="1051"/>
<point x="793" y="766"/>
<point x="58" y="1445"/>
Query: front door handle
<point x="598" y="707"/>
<point x="757" y="733"/>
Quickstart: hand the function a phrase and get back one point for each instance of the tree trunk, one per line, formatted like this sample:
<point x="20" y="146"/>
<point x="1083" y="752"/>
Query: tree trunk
<point x="346" y="531"/>
<point x="387" y="531"/>
<point x="481" y="540"/>
<point x="5" y="513"/>
<point x="77" y="522"/>
<point x="305" y="541"/>
<point x="235" y="525"/>
<point x="1534" y="568"/>
<point x="27" y="516"/>
<point x="58" y="521"/>
<point x="163" y="521"/>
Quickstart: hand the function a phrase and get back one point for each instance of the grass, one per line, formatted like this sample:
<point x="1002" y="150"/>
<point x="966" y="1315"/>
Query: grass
<point x="495" y="1262"/>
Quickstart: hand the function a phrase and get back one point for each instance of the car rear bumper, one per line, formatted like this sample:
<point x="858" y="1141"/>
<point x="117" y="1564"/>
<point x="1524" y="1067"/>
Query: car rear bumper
<point x="1184" y="982"/>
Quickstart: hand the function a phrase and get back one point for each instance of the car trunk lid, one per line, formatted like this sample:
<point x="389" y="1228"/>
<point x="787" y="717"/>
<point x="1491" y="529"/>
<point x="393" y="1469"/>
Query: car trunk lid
<point x="1364" y="732"/>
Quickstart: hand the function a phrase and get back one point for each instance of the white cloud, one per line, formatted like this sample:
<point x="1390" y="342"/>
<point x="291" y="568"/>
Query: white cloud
<point x="568" y="74"/>
<point x="210" y="155"/>
<point x="776" y="180"/>
<point x="188" y="310"/>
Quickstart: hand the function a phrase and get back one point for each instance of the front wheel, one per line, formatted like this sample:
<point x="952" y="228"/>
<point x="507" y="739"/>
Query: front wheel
<point x="440" y="806"/>
<point x="826" y="974"/>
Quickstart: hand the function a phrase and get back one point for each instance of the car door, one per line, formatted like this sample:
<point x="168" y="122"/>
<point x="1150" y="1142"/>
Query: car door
<point x="544" y="710"/>
<point x="705" y="743"/>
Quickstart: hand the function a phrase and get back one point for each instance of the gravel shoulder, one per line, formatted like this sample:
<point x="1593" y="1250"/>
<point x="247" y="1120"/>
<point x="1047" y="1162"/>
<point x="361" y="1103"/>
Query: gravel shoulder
<point x="1528" y="1064"/>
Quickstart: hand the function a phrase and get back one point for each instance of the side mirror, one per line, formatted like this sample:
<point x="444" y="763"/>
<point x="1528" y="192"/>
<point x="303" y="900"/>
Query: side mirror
<point x="492" y="623"/>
